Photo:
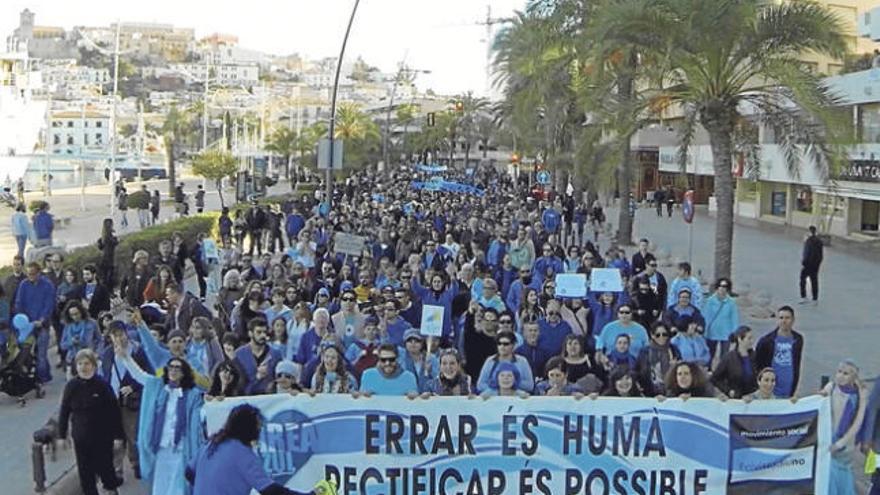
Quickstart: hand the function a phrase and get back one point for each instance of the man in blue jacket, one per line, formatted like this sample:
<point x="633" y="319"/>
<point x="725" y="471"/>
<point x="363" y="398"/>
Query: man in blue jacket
<point x="551" y="218"/>
<point x="43" y="226"/>
<point x="35" y="297"/>
<point x="257" y="359"/>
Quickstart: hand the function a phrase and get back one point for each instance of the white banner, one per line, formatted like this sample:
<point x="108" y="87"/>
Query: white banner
<point x="541" y="445"/>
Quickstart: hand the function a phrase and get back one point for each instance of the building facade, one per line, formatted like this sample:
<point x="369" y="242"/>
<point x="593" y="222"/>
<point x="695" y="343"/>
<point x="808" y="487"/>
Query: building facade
<point x="79" y="132"/>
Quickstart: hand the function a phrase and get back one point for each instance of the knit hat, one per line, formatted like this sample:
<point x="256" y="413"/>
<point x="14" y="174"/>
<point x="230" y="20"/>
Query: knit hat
<point x="346" y="286"/>
<point x="175" y="333"/>
<point x="502" y="367"/>
<point x="287" y="367"/>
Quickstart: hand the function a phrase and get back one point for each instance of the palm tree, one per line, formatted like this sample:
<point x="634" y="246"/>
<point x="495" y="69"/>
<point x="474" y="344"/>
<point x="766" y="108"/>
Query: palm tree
<point x="467" y="109"/>
<point x="360" y="133"/>
<point x="723" y="56"/>
<point x="283" y="142"/>
<point x="533" y="61"/>
<point x="173" y="131"/>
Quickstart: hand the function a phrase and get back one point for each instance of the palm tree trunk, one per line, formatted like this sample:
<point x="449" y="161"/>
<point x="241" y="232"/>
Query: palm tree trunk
<point x="172" y="166"/>
<point x="624" y="171"/>
<point x="719" y="124"/>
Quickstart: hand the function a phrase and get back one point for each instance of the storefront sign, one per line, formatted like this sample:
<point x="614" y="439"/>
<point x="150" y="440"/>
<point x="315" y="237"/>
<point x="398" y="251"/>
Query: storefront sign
<point x="861" y="171"/>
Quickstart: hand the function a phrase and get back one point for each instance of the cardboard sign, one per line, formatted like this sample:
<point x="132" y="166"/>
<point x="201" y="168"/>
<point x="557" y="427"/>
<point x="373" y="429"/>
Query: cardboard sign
<point x="432" y="321"/>
<point x="571" y="285"/>
<point x="352" y="245"/>
<point x="606" y="280"/>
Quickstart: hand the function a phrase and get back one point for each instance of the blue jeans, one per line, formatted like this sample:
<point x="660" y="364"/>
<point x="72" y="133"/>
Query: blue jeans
<point x="44" y="369"/>
<point x="21" y="240"/>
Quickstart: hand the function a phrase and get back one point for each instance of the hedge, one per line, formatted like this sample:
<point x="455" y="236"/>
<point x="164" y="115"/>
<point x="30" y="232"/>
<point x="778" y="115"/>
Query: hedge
<point x="149" y="238"/>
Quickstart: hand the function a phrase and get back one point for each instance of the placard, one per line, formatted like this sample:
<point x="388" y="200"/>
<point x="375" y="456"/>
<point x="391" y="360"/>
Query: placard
<point x="571" y="285"/>
<point x="605" y="280"/>
<point x="432" y="321"/>
<point x="352" y="245"/>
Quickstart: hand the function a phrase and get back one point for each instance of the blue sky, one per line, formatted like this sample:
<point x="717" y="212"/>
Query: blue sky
<point x="436" y="35"/>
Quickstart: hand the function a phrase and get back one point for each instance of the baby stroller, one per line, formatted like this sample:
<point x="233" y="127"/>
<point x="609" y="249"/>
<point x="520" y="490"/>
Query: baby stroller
<point x="18" y="375"/>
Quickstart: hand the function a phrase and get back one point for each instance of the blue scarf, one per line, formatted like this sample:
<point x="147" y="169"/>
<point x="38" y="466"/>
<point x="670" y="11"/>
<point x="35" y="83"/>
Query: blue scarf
<point x="159" y="419"/>
<point x="849" y="410"/>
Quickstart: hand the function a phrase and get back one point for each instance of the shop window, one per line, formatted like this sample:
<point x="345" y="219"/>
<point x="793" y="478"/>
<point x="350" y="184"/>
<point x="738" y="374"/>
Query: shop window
<point x="803" y="199"/>
<point x="777" y="203"/>
<point x="869" y="123"/>
<point x="870" y="216"/>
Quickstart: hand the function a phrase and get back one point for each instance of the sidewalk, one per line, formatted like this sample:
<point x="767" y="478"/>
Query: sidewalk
<point x="843" y="325"/>
<point x="85" y="224"/>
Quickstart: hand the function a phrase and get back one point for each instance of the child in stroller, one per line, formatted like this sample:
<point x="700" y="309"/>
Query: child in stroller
<point x="18" y="374"/>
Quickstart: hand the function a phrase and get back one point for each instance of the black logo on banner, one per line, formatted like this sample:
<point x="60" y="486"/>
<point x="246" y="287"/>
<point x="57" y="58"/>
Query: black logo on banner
<point x="772" y="454"/>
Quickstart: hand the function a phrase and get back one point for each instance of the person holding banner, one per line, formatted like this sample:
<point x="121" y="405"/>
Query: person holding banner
<point x="869" y="437"/>
<point x="686" y="380"/>
<point x="558" y="382"/>
<point x="849" y="400"/>
<point x="388" y="378"/>
<point x="452" y="381"/>
<point x="332" y="376"/>
<point x="622" y="383"/>
<point x="506" y="383"/>
<point x="228" y="465"/>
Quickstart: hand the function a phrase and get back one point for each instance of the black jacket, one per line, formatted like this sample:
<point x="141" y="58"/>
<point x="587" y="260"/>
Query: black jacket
<point x="93" y="410"/>
<point x="100" y="299"/>
<point x="191" y="307"/>
<point x="767" y="346"/>
<point x="813" y="252"/>
<point x="730" y="375"/>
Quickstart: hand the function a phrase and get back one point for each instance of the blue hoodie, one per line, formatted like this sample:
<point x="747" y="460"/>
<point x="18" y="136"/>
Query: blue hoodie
<point x="43" y="225"/>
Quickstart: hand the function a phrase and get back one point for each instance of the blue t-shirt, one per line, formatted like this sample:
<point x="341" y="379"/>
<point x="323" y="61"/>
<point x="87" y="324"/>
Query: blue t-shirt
<point x="372" y="381"/>
<point x="638" y="337"/>
<point x="232" y="469"/>
<point x="783" y="365"/>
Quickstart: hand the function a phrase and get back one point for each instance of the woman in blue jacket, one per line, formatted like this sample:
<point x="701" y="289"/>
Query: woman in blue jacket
<point x="169" y="429"/>
<point x="722" y="318"/>
<point x="80" y="332"/>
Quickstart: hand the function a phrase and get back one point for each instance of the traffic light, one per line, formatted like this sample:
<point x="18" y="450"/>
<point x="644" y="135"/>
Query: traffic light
<point x="459" y="106"/>
<point x="432" y="119"/>
<point x="514" y="158"/>
<point x="539" y="166"/>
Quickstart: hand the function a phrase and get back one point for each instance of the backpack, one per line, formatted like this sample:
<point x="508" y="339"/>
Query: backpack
<point x="367" y="360"/>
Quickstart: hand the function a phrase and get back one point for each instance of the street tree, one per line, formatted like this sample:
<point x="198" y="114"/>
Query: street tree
<point x="215" y="165"/>
<point x="723" y="57"/>
<point x="283" y="142"/>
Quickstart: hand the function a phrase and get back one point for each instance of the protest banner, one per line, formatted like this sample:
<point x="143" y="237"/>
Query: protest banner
<point x="571" y="285"/>
<point x="547" y="445"/>
<point x="605" y="280"/>
<point x="349" y="244"/>
<point x="432" y="321"/>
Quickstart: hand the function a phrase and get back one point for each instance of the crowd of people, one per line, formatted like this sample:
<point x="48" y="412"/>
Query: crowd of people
<point x="279" y="311"/>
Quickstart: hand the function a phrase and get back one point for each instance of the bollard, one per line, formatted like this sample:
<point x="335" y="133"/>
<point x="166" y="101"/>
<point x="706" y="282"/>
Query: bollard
<point x="39" y="467"/>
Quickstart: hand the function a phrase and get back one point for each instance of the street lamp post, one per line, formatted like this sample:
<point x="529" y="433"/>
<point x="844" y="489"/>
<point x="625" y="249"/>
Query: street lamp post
<point x="113" y="123"/>
<point x="329" y="176"/>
